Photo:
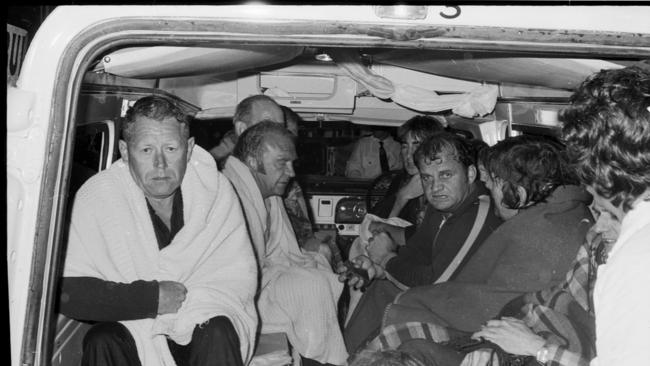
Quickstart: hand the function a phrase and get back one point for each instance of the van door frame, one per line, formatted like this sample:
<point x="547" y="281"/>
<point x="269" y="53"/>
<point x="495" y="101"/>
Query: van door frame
<point x="37" y="341"/>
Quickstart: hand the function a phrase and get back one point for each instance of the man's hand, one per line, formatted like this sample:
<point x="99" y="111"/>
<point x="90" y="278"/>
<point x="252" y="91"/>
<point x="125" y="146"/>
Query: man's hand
<point x="171" y="295"/>
<point x="411" y="190"/>
<point x="512" y="335"/>
<point x="395" y="232"/>
<point x="379" y="246"/>
<point x="364" y="263"/>
<point x="480" y="357"/>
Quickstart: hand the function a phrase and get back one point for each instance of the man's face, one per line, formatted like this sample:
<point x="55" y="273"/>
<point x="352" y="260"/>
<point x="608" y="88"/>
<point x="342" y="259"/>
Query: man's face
<point x="496" y="191"/>
<point x="446" y="182"/>
<point x="157" y="156"/>
<point x="409" y="145"/>
<point x="275" y="169"/>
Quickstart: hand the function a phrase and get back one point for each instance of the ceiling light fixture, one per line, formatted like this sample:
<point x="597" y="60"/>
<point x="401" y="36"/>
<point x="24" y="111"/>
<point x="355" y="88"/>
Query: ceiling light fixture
<point x="322" y="56"/>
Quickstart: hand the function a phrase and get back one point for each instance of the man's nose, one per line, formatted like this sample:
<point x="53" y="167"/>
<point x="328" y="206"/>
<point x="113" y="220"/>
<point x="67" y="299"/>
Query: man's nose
<point x="289" y="170"/>
<point x="160" y="161"/>
<point x="435" y="186"/>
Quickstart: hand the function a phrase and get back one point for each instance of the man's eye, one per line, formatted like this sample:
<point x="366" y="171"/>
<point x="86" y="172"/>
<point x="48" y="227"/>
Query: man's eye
<point x="146" y="150"/>
<point x="445" y="175"/>
<point x="171" y="148"/>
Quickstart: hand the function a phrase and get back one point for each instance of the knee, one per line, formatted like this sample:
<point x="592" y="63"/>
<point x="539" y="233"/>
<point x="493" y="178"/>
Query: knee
<point x="104" y="335"/>
<point x="217" y="328"/>
<point x="409" y="297"/>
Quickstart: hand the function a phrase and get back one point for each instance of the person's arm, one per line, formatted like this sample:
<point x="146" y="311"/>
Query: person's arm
<point x="410" y="265"/>
<point x="396" y="233"/>
<point x="296" y="208"/>
<point x="354" y="166"/>
<point x="514" y="337"/>
<point x="93" y="299"/>
<point x="409" y="191"/>
<point x="560" y="356"/>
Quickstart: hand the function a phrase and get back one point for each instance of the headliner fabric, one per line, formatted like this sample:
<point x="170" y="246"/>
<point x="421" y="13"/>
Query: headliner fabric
<point x="165" y="62"/>
<point x="477" y="103"/>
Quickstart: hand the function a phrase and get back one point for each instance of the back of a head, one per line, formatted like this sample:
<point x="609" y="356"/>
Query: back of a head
<point x="256" y="108"/>
<point x="253" y="141"/>
<point x="607" y="132"/>
<point x="535" y="163"/>
<point x="441" y="143"/>
<point x="156" y="108"/>
<point x="420" y="127"/>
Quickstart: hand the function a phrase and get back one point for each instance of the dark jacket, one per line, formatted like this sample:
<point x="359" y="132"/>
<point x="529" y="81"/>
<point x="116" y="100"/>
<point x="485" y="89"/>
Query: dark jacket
<point x="434" y="245"/>
<point x="531" y="251"/>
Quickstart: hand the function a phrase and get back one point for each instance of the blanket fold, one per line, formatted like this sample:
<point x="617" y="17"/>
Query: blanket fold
<point x="112" y="238"/>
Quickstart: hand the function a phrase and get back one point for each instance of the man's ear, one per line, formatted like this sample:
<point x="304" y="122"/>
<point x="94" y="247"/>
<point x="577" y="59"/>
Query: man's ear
<point x="190" y="148"/>
<point x="124" y="150"/>
<point x="240" y="127"/>
<point x="471" y="173"/>
<point x="252" y="163"/>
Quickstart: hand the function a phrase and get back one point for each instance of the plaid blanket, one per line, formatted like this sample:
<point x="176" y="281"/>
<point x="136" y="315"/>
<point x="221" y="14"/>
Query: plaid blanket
<point x="563" y="315"/>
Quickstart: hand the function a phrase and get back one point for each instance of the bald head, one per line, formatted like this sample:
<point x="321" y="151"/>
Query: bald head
<point x="255" y="109"/>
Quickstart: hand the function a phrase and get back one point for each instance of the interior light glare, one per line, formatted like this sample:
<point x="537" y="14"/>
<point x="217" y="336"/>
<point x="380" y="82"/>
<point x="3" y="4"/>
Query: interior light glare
<point x="324" y="57"/>
<point x="401" y="11"/>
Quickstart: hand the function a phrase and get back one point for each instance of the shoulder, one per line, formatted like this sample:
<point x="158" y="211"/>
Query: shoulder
<point x="105" y="182"/>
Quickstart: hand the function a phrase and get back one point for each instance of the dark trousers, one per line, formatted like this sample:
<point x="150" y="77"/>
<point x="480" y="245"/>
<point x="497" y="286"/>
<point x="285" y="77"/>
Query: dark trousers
<point x="214" y="342"/>
<point x="365" y="322"/>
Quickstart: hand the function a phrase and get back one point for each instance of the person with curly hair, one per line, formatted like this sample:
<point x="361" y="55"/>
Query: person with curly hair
<point x="607" y="131"/>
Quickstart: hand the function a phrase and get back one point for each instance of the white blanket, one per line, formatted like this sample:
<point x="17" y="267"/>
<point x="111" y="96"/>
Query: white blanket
<point x="112" y="238"/>
<point x="299" y="291"/>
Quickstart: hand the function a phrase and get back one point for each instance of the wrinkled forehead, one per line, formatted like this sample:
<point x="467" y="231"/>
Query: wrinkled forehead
<point x="168" y="127"/>
<point x="280" y="146"/>
<point x="443" y="160"/>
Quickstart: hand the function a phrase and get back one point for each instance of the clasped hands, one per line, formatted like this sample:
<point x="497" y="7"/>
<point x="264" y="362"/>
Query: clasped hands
<point x="511" y="334"/>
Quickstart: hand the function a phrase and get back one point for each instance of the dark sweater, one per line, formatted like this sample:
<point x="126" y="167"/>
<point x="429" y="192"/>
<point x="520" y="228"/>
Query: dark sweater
<point x="93" y="299"/>
<point x="434" y="245"/>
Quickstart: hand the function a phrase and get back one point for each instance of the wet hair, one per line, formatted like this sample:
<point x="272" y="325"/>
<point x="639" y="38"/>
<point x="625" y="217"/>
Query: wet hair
<point x="420" y="127"/>
<point x="254" y="140"/>
<point x="385" y="358"/>
<point x="535" y="163"/>
<point x="244" y="110"/>
<point x="156" y="108"/>
<point x="607" y="132"/>
<point x="441" y="143"/>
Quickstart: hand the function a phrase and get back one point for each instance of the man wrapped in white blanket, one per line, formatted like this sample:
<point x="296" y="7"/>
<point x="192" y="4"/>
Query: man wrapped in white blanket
<point x="299" y="290"/>
<point x="159" y="254"/>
